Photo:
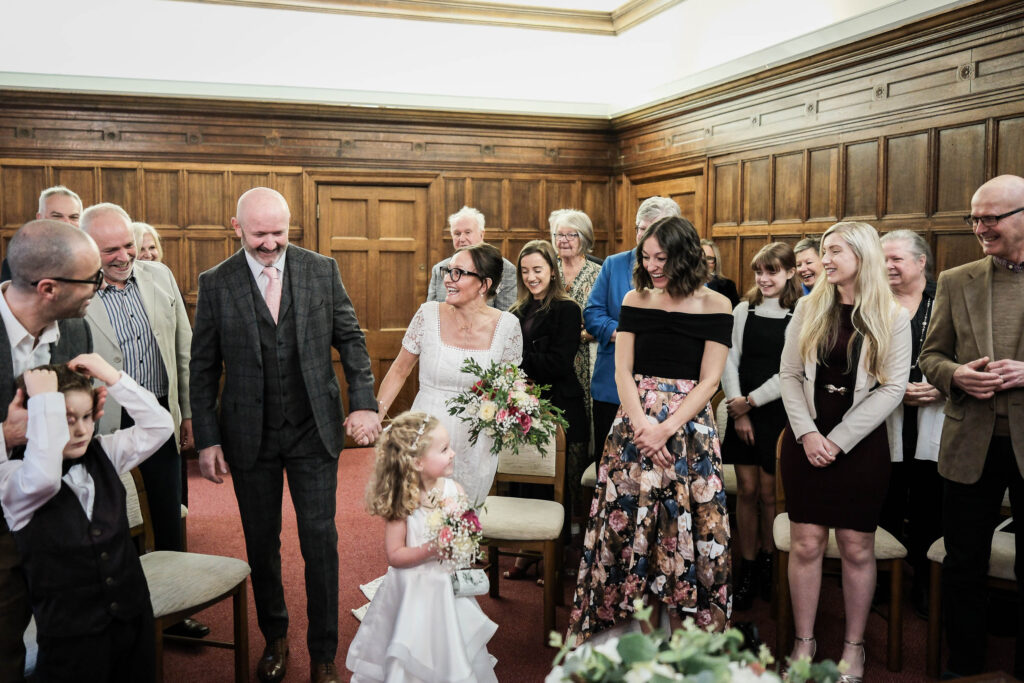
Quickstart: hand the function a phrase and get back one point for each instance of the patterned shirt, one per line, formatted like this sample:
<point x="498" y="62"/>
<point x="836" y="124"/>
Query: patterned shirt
<point x="130" y="321"/>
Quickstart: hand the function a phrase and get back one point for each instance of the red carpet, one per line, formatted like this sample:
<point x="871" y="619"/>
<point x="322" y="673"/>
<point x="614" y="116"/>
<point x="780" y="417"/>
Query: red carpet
<point x="214" y="528"/>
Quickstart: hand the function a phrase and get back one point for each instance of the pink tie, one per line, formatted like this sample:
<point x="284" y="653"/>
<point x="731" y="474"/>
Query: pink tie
<point x="273" y="293"/>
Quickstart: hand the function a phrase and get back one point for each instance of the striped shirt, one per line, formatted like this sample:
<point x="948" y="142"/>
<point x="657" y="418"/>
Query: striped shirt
<point x="128" y="317"/>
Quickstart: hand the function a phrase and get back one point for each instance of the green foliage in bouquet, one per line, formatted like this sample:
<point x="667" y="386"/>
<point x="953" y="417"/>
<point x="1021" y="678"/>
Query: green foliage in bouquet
<point x="691" y="654"/>
<point x="504" y="405"/>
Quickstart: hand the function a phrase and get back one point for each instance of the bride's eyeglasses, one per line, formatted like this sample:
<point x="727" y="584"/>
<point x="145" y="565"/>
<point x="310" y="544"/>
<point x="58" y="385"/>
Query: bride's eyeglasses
<point x="456" y="273"/>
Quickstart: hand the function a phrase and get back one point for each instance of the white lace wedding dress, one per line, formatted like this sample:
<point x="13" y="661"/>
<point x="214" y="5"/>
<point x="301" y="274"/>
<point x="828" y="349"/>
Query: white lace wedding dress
<point x="416" y="630"/>
<point x="441" y="379"/>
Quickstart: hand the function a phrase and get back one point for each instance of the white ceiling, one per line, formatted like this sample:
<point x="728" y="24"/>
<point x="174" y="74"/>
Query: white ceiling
<point x="211" y="50"/>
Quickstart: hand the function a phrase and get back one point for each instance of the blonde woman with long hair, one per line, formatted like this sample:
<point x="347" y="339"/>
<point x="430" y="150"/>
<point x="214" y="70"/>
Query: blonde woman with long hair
<point x="844" y="369"/>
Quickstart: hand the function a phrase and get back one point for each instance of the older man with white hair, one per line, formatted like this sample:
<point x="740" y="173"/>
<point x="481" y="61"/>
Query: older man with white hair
<point x="467" y="228"/>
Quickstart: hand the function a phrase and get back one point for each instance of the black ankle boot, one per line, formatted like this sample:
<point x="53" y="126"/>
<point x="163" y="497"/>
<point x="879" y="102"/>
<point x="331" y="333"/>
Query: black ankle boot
<point x="764" y="575"/>
<point x="743" y="595"/>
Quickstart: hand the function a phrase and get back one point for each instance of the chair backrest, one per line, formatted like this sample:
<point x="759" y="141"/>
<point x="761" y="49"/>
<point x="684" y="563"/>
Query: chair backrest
<point x="718" y="411"/>
<point x="780" y="493"/>
<point x="137" y="503"/>
<point x="533" y="466"/>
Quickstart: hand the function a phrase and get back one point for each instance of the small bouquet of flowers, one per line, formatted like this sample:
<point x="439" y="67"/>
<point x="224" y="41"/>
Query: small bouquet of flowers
<point x="690" y="654"/>
<point x="454" y="527"/>
<point x="505" y="406"/>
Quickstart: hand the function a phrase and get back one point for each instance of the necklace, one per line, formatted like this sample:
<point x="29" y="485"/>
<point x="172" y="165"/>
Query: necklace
<point x="465" y="328"/>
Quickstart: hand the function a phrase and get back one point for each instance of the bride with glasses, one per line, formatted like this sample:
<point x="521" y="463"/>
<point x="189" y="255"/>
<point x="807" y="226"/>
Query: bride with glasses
<point x="441" y="337"/>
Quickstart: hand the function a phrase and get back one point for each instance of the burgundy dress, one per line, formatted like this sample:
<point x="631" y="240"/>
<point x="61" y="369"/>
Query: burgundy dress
<point x="848" y="494"/>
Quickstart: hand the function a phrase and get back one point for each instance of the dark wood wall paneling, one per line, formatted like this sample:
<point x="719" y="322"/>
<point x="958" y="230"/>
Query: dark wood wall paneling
<point x="897" y="130"/>
<point x="898" y="135"/>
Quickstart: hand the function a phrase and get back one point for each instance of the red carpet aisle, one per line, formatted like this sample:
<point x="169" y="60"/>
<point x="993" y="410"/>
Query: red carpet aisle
<point x="214" y="527"/>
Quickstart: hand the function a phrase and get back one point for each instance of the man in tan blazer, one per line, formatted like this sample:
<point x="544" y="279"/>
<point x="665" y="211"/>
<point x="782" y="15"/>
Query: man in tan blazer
<point x="974" y="354"/>
<point x="139" y="325"/>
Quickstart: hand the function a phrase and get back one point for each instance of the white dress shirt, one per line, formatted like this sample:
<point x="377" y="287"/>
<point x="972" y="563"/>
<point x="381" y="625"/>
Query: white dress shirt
<point x="27" y="352"/>
<point x="26" y="485"/>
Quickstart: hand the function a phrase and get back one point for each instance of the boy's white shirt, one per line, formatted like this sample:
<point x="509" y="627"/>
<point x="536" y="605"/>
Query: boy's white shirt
<point x="26" y="485"/>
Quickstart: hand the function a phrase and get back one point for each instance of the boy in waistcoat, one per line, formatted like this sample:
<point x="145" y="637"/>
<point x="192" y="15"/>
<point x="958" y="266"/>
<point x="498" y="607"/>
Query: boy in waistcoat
<point x="65" y="505"/>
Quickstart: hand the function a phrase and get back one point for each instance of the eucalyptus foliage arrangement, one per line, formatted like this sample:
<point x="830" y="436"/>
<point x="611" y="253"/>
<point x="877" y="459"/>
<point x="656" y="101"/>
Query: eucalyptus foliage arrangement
<point x="690" y="654"/>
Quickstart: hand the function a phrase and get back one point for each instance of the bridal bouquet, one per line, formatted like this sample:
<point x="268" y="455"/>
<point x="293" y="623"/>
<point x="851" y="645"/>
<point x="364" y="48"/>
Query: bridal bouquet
<point x="691" y="654"/>
<point x="505" y="406"/>
<point x="454" y="527"/>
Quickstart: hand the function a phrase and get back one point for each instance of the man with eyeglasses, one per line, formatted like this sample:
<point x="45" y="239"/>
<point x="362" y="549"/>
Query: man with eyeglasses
<point x="139" y="325"/>
<point x="974" y="353"/>
<point x="55" y="269"/>
<point x="467" y="229"/>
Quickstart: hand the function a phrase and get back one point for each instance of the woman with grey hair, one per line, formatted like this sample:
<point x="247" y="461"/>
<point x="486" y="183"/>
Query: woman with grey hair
<point x="717" y="283"/>
<point x="572" y="235"/>
<point x="147" y="242"/>
<point x="915" y="427"/>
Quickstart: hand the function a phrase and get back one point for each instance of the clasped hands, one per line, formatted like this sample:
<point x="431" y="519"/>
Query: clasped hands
<point x="820" y="451"/>
<point x="982" y="379"/>
<point x="651" y="439"/>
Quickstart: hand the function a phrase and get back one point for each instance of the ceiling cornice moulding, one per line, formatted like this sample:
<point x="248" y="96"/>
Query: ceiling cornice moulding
<point x="624" y="17"/>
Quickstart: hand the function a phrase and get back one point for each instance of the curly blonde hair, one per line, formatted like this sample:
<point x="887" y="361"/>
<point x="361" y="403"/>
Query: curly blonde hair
<point x="394" y="488"/>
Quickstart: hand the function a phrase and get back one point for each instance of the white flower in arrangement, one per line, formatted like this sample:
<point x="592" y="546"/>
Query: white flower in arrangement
<point x="610" y="650"/>
<point x="645" y="671"/>
<point x="522" y="399"/>
<point x="435" y="518"/>
<point x="472" y="408"/>
<point x="488" y="409"/>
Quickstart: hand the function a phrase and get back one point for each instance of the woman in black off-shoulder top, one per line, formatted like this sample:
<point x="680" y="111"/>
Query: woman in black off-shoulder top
<point x="658" y="527"/>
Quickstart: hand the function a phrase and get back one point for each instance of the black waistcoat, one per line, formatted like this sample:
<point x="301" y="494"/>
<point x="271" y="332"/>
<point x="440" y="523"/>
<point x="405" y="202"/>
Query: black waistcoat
<point x="284" y="392"/>
<point x="83" y="574"/>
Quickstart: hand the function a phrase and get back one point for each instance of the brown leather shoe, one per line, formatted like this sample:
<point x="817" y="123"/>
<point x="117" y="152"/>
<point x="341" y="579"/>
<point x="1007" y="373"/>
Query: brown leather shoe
<point x="324" y="672"/>
<point x="274" y="661"/>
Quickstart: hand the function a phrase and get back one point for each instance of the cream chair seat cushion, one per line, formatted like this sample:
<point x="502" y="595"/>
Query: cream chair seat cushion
<point x="1000" y="563"/>
<point x="589" y="478"/>
<point x="521" y="519"/>
<point x="886" y="545"/>
<point x="179" y="581"/>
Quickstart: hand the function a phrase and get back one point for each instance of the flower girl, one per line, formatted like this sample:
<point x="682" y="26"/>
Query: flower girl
<point x="416" y="629"/>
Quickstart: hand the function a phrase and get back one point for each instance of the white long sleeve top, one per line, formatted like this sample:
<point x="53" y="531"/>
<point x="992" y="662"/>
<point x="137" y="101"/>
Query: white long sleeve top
<point x="771" y="390"/>
<point x="26" y="485"/>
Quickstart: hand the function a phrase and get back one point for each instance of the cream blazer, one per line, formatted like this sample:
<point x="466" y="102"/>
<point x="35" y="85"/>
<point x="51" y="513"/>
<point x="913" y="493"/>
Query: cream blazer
<point x="169" y="321"/>
<point x="872" y="401"/>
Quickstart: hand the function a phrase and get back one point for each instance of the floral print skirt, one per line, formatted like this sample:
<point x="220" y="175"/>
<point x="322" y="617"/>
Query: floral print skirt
<point x="652" y="531"/>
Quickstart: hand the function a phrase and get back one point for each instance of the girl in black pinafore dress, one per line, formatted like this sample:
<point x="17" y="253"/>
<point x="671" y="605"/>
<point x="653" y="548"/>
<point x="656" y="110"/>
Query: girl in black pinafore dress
<point x="756" y="413"/>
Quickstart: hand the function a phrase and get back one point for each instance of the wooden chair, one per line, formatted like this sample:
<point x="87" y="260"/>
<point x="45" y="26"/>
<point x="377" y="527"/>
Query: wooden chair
<point x="1001" y="576"/>
<point x="889" y="554"/>
<point x="181" y="584"/>
<point x="531" y="525"/>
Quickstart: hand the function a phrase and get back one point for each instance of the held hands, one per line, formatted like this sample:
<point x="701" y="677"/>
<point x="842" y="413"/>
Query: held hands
<point x="212" y="464"/>
<point x="977" y="378"/>
<point x="363" y="426"/>
<point x="921" y="394"/>
<point x="737" y="406"/>
<point x="820" y="451"/>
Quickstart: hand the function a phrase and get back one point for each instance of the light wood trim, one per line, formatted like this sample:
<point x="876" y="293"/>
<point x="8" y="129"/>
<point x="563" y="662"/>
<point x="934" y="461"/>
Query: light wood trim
<point x="612" y="23"/>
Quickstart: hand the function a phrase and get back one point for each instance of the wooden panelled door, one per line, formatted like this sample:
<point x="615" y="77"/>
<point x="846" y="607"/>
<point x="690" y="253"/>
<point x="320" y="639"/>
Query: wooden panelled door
<point x="687" y="191"/>
<point x="378" y="236"/>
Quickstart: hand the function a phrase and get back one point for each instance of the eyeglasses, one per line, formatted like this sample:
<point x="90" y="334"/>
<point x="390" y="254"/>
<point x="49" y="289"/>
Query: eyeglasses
<point x="96" y="281"/>
<point x="989" y="221"/>
<point x="456" y="273"/>
<point x="710" y="259"/>
<point x="566" y="236"/>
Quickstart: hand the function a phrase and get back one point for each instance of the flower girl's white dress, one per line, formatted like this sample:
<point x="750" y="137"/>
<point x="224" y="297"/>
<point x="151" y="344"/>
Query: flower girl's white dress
<point x="416" y="630"/>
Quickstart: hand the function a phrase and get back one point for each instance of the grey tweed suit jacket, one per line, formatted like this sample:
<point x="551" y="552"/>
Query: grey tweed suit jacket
<point x="226" y="340"/>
